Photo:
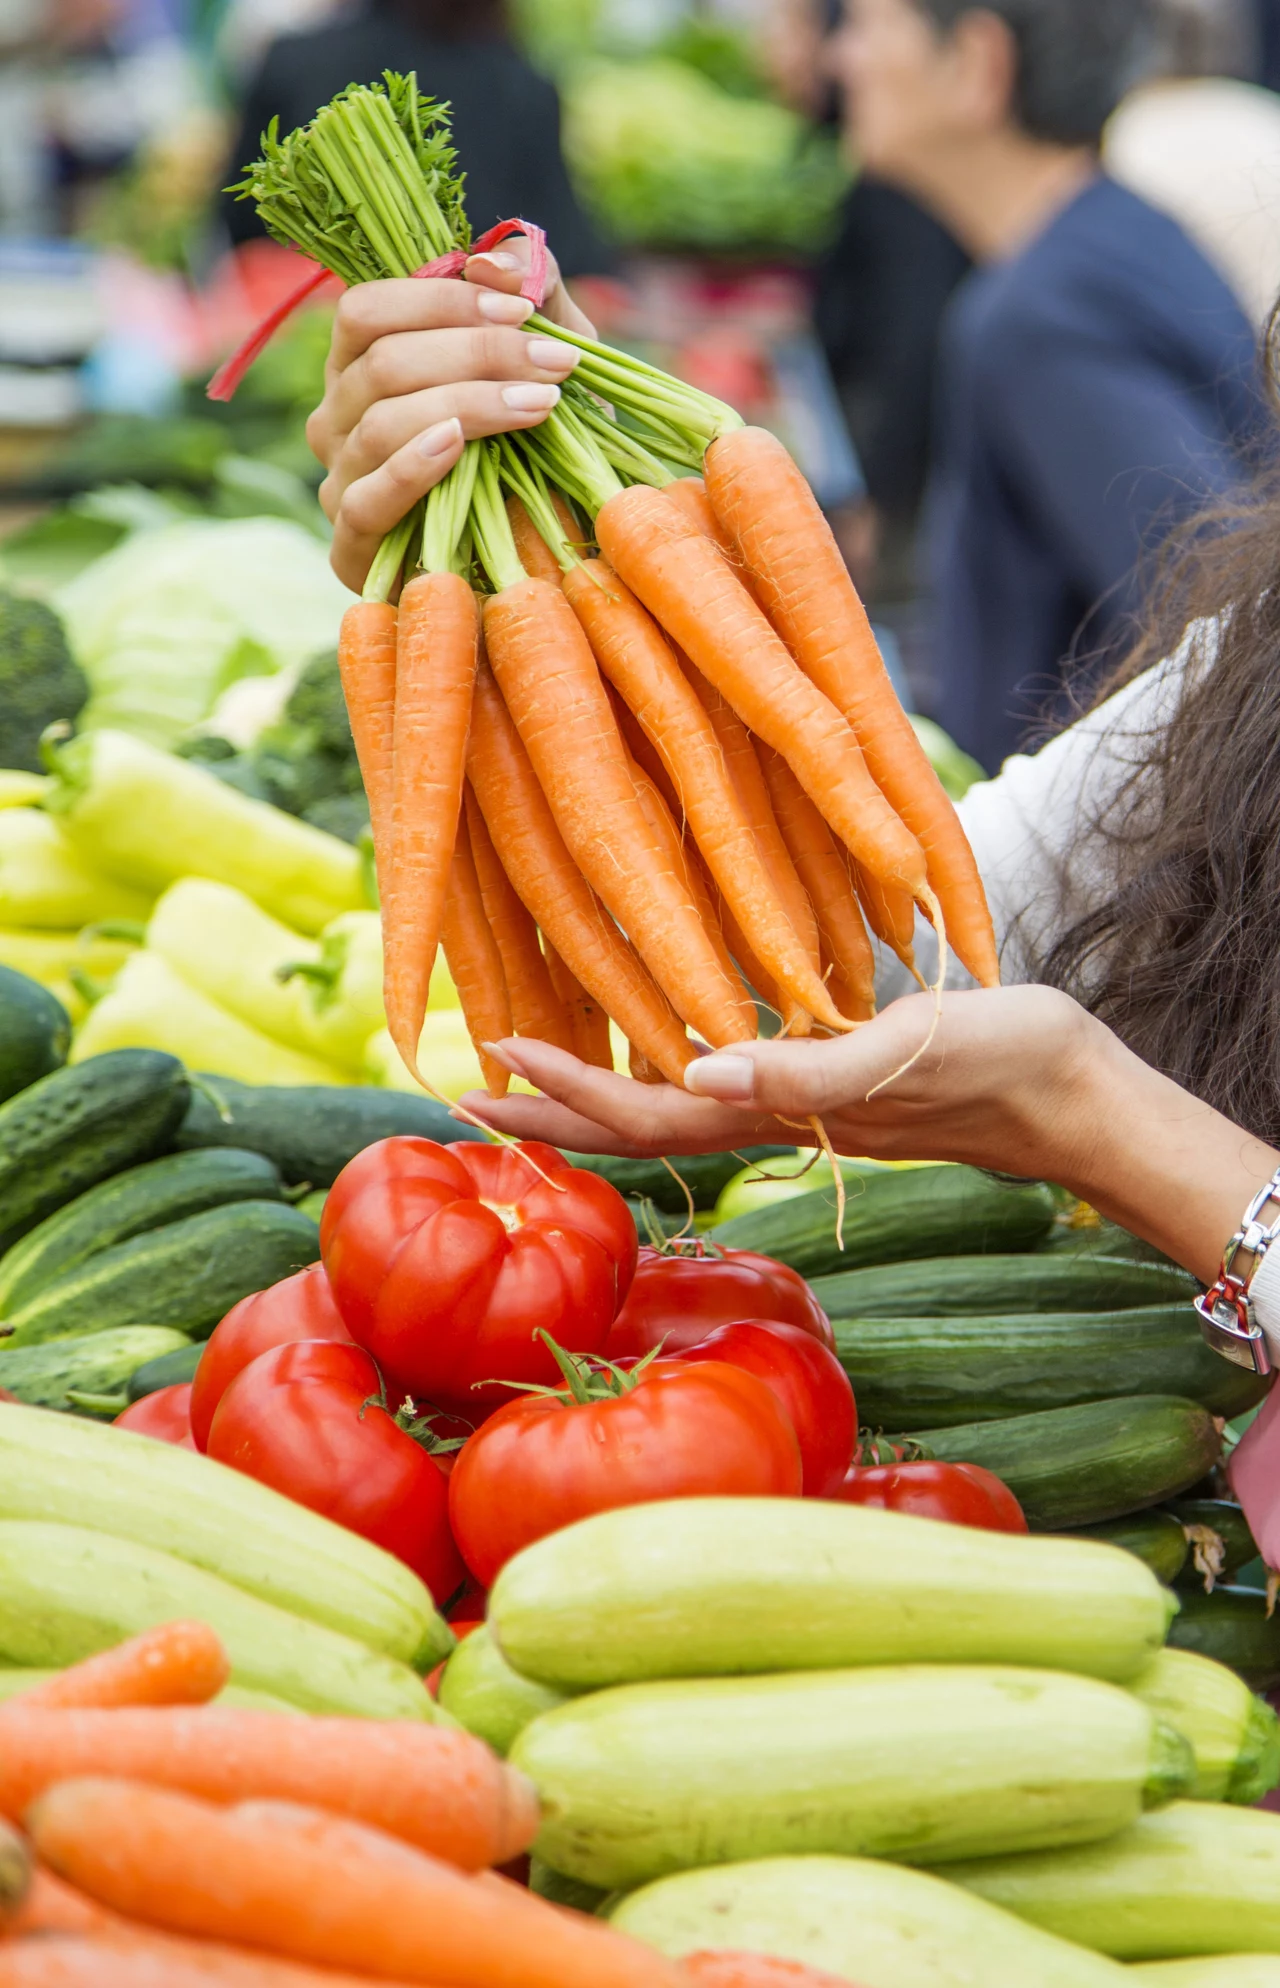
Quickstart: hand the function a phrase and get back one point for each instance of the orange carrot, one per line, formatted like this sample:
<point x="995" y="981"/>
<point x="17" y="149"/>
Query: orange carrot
<point x="439" y="1789"/>
<point x="137" y="1958"/>
<point x="684" y="864"/>
<point x="435" y="671"/>
<point x="536" y="555"/>
<point x="689" y="495"/>
<point x="555" y="892"/>
<point x="780" y="532"/>
<point x="15" y="1873"/>
<point x="536" y="1008"/>
<point x="180" y="1663"/>
<point x="823" y="868"/>
<point x="549" y="679"/>
<point x="315" y="1887"/>
<point x="475" y="963"/>
<point x="891" y="914"/>
<point x="367" y="666"/>
<point x="636" y="657"/>
<point x="52" y="1906"/>
<point x="641" y="1068"/>
<point x="588" y="1022"/>
<point x="756" y="1970"/>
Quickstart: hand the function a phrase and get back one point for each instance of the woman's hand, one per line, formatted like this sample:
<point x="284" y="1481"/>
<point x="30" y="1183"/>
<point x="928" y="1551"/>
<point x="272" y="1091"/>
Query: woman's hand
<point x="416" y="369"/>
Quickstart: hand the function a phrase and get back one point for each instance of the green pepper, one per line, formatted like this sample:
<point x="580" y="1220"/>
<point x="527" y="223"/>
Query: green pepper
<point x="222" y="943"/>
<point x="46" y="883"/>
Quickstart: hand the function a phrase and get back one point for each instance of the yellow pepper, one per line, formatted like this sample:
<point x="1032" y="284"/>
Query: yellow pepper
<point x="46" y="882"/>
<point x="222" y="943"/>
<point x="22" y="790"/>
<point x="340" y="995"/>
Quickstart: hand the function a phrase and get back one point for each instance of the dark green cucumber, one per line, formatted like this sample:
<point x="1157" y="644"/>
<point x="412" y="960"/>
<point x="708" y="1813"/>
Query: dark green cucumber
<point x="81" y="1124"/>
<point x="129" y="1204"/>
<point x="92" y="1363"/>
<point x="705" y="1174"/>
<point x="1232" y="1625"/>
<point x="923" y="1211"/>
<point x="1155" y="1538"/>
<point x="952" y="1286"/>
<point x="311" y="1131"/>
<point x="1224" y="1520"/>
<point x="35" y="1032"/>
<point x="186" y="1275"/>
<point x="1101" y="1239"/>
<point x="1073" y="1467"/>
<point x="940" y="1372"/>
<point x="168" y="1370"/>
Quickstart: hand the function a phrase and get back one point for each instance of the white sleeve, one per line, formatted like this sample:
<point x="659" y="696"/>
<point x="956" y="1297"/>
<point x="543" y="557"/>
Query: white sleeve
<point x="1264" y="1291"/>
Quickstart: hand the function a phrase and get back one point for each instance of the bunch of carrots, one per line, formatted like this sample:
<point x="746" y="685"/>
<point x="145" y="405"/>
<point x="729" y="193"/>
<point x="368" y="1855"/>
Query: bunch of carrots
<point x="155" y="1838"/>
<point x="630" y="748"/>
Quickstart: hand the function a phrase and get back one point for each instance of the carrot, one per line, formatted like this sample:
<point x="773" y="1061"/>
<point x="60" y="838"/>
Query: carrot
<point x="51" y="1906"/>
<point x="756" y="1970"/>
<point x="588" y="1022"/>
<point x="439" y="1789"/>
<point x="684" y="864"/>
<point x="15" y="1872"/>
<point x="536" y="555"/>
<point x="475" y="963"/>
<point x="296" y="1882"/>
<point x="367" y="667"/>
<point x="553" y="889"/>
<point x="824" y="871"/>
<point x="435" y="671"/>
<point x="549" y="679"/>
<point x="641" y="1068"/>
<point x="536" y="1008"/>
<point x="179" y="1663"/>
<point x="689" y="495"/>
<point x="890" y="913"/>
<point x="135" y="1958"/>
<point x="639" y="662"/>
<point x="778" y="527"/>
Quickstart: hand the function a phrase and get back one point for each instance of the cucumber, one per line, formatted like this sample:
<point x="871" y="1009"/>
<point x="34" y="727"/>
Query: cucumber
<point x="1232" y="1625"/>
<point x="857" y="1920"/>
<point x="1075" y="1466"/>
<point x="1219" y="1532"/>
<point x="77" y="1126"/>
<point x="1102" y="1239"/>
<point x="937" y="1373"/>
<point x="918" y="1765"/>
<point x="67" y="1592"/>
<point x="481" y="1691"/>
<point x="942" y="1211"/>
<point x="1155" y="1537"/>
<point x="311" y="1131"/>
<point x="557" y="1889"/>
<point x="1235" y="1737"/>
<point x="1232" y="1970"/>
<point x="62" y="1470"/>
<point x="187" y="1273"/>
<point x="1193" y="1878"/>
<point x="988" y="1286"/>
<point x="93" y="1363"/>
<point x="35" y="1032"/>
<point x="705" y="1174"/>
<point x="704" y="1587"/>
<point x="168" y="1370"/>
<point x="128" y="1205"/>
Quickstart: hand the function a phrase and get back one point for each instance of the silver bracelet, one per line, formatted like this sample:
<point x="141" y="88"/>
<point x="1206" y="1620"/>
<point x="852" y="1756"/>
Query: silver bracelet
<point x="1226" y="1309"/>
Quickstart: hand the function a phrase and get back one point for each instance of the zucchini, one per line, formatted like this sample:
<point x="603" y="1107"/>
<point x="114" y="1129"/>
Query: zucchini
<point x="557" y="1889"/>
<point x="918" y="1765"/>
<point x="1218" y="1532"/>
<point x="710" y="1586"/>
<point x="859" y="1921"/>
<point x="62" y="1470"/>
<point x="35" y="1032"/>
<point x="188" y="1273"/>
<point x="481" y="1691"/>
<point x="167" y="1370"/>
<point x="128" y="1205"/>
<point x="937" y="1373"/>
<point x="77" y="1126"/>
<point x="93" y="1363"/>
<point x="1192" y="1878"/>
<point x="705" y="1174"/>
<point x="988" y="1286"/>
<point x="1231" y="1624"/>
<point x="311" y="1131"/>
<point x="67" y="1592"/>
<point x="1234" y="1735"/>
<point x="944" y="1211"/>
<point x="1155" y="1537"/>
<point x="1074" y="1466"/>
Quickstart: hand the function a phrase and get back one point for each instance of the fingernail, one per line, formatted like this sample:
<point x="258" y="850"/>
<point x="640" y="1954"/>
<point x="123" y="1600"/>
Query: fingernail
<point x="504" y="1055"/>
<point x="529" y="399"/>
<point x="499" y="308"/>
<point x="439" y="440"/>
<point x="500" y="258"/>
<point x="552" y="355"/>
<point x="730" y="1078"/>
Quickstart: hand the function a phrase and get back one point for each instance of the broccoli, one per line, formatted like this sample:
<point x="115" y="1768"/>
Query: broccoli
<point x="317" y="706"/>
<point x="40" y="681"/>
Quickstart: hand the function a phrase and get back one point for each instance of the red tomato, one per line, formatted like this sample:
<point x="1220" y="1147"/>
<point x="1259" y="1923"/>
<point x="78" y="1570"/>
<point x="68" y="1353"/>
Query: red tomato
<point x="445" y="1260"/>
<point x="807" y="1380"/>
<point x="963" y="1494"/>
<point x="166" y="1415"/>
<point x="299" y="1307"/>
<point x="677" y="1298"/>
<point x="679" y="1432"/>
<point x="300" y="1418"/>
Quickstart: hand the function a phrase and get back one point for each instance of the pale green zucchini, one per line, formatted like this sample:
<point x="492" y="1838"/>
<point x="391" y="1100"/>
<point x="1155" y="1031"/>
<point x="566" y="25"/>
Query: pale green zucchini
<point x="710" y="1586"/>
<point x="1193" y="1878"/>
<point x="74" y="1472"/>
<point x="871" y="1923"/>
<point x="482" y="1692"/>
<point x="1234" y="1735"/>
<point x="921" y="1765"/>
<point x="1229" y="1970"/>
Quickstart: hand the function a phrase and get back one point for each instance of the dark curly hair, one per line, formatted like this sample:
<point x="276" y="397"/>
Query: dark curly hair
<point x="1076" y="58"/>
<point x="453" y="20"/>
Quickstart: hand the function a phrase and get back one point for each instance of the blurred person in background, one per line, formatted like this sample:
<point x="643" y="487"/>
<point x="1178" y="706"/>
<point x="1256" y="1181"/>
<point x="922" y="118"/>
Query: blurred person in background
<point x="1097" y="377"/>
<point x="506" y="117"/>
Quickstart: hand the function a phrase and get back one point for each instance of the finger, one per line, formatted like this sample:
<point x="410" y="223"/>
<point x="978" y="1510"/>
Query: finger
<point x="481" y="407"/>
<point x="541" y="1118"/>
<point x="653" y="1118"/>
<point x="813" y="1076"/>
<point x="370" y="311"/>
<point x="375" y="505"/>
<point x="505" y="269"/>
<point x="416" y="361"/>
